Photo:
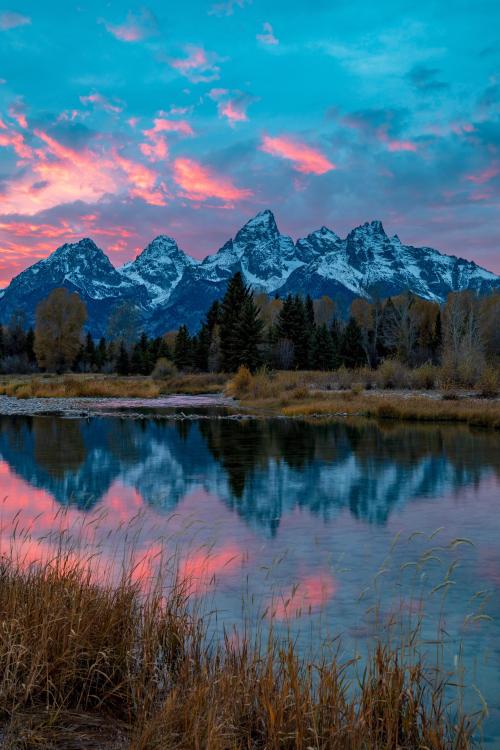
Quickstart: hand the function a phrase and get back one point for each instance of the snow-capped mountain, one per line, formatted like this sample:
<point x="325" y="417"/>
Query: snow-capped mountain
<point x="80" y="267"/>
<point x="170" y="288"/>
<point x="159" y="267"/>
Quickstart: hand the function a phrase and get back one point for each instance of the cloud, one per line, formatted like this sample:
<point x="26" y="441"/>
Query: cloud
<point x="10" y="138"/>
<point x="267" y="36"/>
<point x="232" y="106"/>
<point x="10" y="20"/>
<point x="198" y="66"/>
<point x="55" y="174"/>
<point x="156" y="149"/>
<point x="16" y="113"/>
<point x="227" y="8"/>
<point x="384" y="53"/>
<point x="383" y="125"/>
<point x="485" y="175"/>
<point x="199" y="183"/>
<point x="135" y="28"/>
<point x="142" y="180"/>
<point x="305" y="159"/>
<point x="424" y="79"/>
<point x="100" y="102"/>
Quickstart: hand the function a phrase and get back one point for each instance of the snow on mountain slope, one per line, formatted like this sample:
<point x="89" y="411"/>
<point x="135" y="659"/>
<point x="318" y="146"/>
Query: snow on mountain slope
<point x="159" y="268"/>
<point x="171" y="288"/>
<point x="80" y="267"/>
<point x="264" y="256"/>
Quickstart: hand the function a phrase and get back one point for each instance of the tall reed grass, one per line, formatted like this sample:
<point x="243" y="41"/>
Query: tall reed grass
<point x="87" y="663"/>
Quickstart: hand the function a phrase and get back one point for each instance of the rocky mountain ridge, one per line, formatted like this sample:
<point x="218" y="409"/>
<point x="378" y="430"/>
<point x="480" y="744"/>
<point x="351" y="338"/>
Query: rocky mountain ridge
<point x="170" y="288"/>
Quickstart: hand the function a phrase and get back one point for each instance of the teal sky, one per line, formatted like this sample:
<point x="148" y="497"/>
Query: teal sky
<point x="122" y="121"/>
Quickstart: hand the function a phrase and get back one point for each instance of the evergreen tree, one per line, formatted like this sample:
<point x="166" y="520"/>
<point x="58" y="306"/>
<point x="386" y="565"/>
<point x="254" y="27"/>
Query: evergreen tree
<point x="285" y="322"/>
<point x="163" y="349"/>
<point x="250" y="335"/>
<point x="336" y="337"/>
<point x="30" y="345"/>
<point x="2" y="342"/>
<point x="232" y="305"/>
<point x="183" y="349"/>
<point x="309" y="310"/>
<point x="136" y="360"/>
<point x="213" y="315"/>
<point x="301" y="334"/>
<point x="122" y="362"/>
<point x="388" y="324"/>
<point x="201" y="348"/>
<point x="322" y="350"/>
<point x="352" y="352"/>
<point x="101" y="353"/>
<point x="89" y="355"/>
<point x="437" y="339"/>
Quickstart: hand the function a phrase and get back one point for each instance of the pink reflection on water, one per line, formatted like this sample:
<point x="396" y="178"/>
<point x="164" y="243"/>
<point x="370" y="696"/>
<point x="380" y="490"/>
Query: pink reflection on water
<point x="310" y="593"/>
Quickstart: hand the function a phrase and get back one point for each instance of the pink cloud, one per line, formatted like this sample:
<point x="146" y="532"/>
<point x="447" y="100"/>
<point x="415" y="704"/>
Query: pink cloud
<point x="157" y="148"/>
<point x="135" y="28"/>
<point x="305" y="159"/>
<point x="19" y="117"/>
<point x="381" y="133"/>
<point x="10" y="20"/>
<point x="485" y="175"/>
<point x="198" y="183"/>
<point x="234" y="111"/>
<point x="198" y="66"/>
<point x="99" y="101"/>
<point x="396" y="145"/>
<point x="267" y="36"/>
<point x="143" y="181"/>
<point x="56" y="174"/>
<point x="10" y="138"/>
<point x="232" y="108"/>
<point x="162" y="125"/>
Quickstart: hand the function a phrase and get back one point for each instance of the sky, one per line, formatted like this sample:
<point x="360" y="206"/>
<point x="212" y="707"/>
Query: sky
<point x="122" y="121"/>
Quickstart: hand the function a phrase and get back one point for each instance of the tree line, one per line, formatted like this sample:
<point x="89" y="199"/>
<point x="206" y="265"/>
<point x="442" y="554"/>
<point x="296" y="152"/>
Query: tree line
<point x="255" y="330"/>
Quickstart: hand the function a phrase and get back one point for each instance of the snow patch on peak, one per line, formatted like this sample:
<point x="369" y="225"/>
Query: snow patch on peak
<point x="159" y="267"/>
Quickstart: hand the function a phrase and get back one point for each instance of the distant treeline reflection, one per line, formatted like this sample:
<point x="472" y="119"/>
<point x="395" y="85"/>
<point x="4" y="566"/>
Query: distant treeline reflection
<point x="261" y="469"/>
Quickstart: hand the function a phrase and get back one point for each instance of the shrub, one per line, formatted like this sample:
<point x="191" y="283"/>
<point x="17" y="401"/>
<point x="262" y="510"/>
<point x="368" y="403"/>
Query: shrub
<point x="240" y="384"/>
<point x="489" y="382"/>
<point x="164" y="368"/>
<point x="344" y="378"/>
<point x="356" y="389"/>
<point x="393" y="374"/>
<point x="424" y="377"/>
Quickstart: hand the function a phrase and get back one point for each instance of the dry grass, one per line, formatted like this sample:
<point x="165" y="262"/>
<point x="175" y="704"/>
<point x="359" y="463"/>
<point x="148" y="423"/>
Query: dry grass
<point x="90" y="665"/>
<point x="474" y="412"/>
<point x="295" y="394"/>
<point x="108" y="386"/>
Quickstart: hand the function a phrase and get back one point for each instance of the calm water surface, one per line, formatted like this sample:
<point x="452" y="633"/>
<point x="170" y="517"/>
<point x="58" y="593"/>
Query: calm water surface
<point x="327" y="527"/>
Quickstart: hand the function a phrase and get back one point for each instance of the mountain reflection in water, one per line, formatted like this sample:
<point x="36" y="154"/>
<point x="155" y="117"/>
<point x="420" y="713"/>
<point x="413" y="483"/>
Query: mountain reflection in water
<point x="261" y="469"/>
<point x="284" y="517"/>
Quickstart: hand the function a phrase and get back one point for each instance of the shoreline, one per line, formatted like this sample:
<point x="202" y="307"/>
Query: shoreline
<point x="397" y="406"/>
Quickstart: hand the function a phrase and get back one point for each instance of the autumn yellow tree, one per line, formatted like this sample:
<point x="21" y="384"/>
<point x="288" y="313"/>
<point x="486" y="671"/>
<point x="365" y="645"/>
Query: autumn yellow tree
<point x="58" y="331"/>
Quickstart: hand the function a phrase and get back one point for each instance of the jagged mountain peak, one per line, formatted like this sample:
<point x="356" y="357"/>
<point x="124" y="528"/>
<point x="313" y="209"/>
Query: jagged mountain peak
<point x="83" y="247"/>
<point x="171" y="288"/>
<point x="262" y="224"/>
<point x="162" y="248"/>
<point x="159" y="267"/>
<point x="373" y="228"/>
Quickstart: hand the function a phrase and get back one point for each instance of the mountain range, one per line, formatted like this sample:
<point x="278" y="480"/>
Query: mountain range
<point x="170" y="288"/>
